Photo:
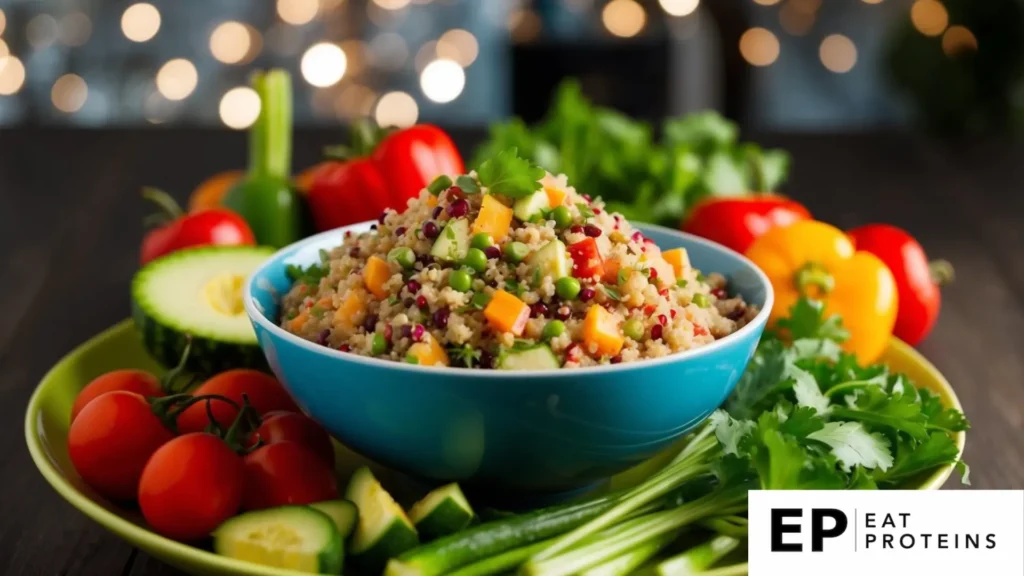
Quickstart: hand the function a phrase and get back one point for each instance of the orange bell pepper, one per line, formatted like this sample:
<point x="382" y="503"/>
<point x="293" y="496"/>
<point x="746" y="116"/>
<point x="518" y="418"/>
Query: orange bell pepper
<point x="506" y="313"/>
<point x="818" y="261"/>
<point x="601" y="332"/>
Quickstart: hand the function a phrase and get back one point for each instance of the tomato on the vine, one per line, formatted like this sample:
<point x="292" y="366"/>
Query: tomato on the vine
<point x="286" y="473"/>
<point x="190" y="486"/>
<point x="138" y="381"/>
<point x="112" y="439"/>
<point x="264" y="392"/>
<point x="280" y="426"/>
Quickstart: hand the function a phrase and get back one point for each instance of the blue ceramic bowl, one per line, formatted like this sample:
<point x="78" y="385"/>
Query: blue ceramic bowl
<point x="538" y="431"/>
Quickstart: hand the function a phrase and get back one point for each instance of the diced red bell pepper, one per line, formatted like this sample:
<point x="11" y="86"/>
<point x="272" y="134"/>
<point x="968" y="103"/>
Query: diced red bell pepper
<point x="586" y="259"/>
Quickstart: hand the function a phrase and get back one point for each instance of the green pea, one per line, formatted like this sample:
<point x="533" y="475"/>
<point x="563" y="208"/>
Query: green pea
<point x="405" y="257"/>
<point x="476" y="259"/>
<point x="701" y="300"/>
<point x="481" y="240"/>
<point x="553" y="329"/>
<point x="480" y="300"/>
<point x="379" y="346"/>
<point x="561" y="216"/>
<point x="634" y="328"/>
<point x="516" y="252"/>
<point x="681" y="282"/>
<point x="567" y="287"/>
<point x="460" y="280"/>
<point x="440" y="184"/>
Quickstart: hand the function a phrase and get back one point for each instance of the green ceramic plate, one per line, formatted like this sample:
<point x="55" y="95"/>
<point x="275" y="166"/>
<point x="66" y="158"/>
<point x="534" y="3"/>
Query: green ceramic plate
<point x="46" y="427"/>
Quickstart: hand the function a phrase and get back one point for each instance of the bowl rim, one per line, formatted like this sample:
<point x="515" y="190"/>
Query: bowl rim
<point x="758" y="322"/>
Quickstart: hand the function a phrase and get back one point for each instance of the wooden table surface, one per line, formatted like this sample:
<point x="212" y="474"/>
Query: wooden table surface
<point x="70" y="224"/>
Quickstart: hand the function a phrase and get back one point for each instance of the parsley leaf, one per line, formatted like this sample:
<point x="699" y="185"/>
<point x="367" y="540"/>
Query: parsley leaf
<point x="875" y="407"/>
<point x="949" y="419"/>
<point x="911" y="459"/>
<point x="310" y="275"/>
<point x="853" y="445"/>
<point x="807" y="320"/>
<point x="805" y="387"/>
<point x="585" y="210"/>
<point x="612" y="292"/>
<point x="467" y="184"/>
<point x="464" y="355"/>
<point x="509" y="175"/>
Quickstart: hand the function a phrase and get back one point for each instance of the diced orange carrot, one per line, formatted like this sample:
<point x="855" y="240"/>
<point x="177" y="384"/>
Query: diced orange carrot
<point x="375" y="275"/>
<point x="601" y="330"/>
<point x="429" y="353"/>
<point x="555" y="195"/>
<point x="296" y="323"/>
<point x="352" y="309"/>
<point x="506" y="313"/>
<point x="611" y="271"/>
<point x="678" y="258"/>
<point x="495" y="219"/>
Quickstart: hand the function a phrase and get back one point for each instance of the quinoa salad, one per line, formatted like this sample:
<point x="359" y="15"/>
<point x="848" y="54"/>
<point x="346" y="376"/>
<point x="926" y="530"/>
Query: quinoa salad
<point x="508" y="268"/>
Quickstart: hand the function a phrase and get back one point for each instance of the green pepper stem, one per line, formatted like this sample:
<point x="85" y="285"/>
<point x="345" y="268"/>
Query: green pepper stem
<point x="169" y="209"/>
<point x="941" y="271"/>
<point x="813" y="275"/>
<point x="270" y="138"/>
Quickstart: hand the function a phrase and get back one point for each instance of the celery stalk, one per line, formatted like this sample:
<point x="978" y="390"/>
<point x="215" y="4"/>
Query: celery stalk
<point x="698" y="559"/>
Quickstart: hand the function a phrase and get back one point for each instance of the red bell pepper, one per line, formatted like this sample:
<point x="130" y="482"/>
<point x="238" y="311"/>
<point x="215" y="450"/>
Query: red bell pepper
<point x="917" y="280"/>
<point x="586" y="259"/>
<point x="737" y="222"/>
<point x="382" y="170"/>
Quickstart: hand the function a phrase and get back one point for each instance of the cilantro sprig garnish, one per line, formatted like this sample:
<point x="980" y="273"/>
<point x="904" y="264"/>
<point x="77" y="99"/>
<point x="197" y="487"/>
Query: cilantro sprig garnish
<point x="509" y="175"/>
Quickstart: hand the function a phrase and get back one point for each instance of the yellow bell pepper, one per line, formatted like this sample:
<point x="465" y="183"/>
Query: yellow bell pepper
<point x="818" y="261"/>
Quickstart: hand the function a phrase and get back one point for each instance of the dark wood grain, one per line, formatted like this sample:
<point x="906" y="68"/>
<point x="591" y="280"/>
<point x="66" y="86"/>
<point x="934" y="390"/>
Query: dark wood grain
<point x="70" y="220"/>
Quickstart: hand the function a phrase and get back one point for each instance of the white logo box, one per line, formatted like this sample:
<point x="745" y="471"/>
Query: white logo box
<point x="905" y="533"/>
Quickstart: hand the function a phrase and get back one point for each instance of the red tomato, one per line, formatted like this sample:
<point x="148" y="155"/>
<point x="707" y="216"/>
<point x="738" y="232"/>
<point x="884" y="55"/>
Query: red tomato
<point x="112" y="439"/>
<point x="214" y="226"/>
<point x="736" y="222"/>
<point x="263" y="390"/>
<point x="917" y="281"/>
<point x="586" y="259"/>
<point x="342" y="193"/>
<point x="137" y="381"/>
<point x="410" y="159"/>
<point x="190" y="486"/>
<point x="286" y="473"/>
<point x="299" y="428"/>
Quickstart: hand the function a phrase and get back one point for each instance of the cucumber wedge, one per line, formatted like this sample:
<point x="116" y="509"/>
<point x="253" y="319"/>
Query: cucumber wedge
<point x="539" y="357"/>
<point x="527" y="207"/>
<point x="441" y="512"/>
<point x="383" y="530"/>
<point x="342" y="512"/>
<point x="551" y="260"/>
<point x="198" y="291"/>
<point x="452" y="244"/>
<point x="292" y="537"/>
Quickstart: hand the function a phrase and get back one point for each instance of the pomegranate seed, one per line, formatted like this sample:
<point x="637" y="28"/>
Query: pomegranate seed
<point x="719" y="293"/>
<point x="421" y="301"/>
<point x="373" y="226"/>
<point x="592" y="231"/>
<point x="388" y="332"/>
<point x="437" y="211"/>
<point x="425" y="259"/>
<point x="492" y="252"/>
<point x="652" y="273"/>
<point x="430" y="229"/>
<point x="576" y="229"/>
<point x="400" y="231"/>
<point x="617" y="359"/>
<point x="344" y="348"/>
<point x="486" y="359"/>
<point x="563" y="313"/>
<point x="699" y="330"/>
<point x="348" y="233"/>
<point x="458" y="209"/>
<point x="538" y="310"/>
<point x="656" y="331"/>
<point x="417" y="333"/>
<point x="412" y="286"/>
<point x="597" y="210"/>
<point x="370" y="324"/>
<point x="354" y="252"/>
<point x="672" y="313"/>
<point x="637" y="236"/>
<point x="737" y="313"/>
<point x="587" y="198"/>
<point x="663" y="292"/>
<point x="409" y="302"/>
<point x="321" y="338"/>
<point x="572" y="352"/>
<point x="649" y="309"/>
<point x="383" y="215"/>
<point x="586" y="294"/>
<point x="441" y="317"/>
<point x="663" y="319"/>
<point x="406" y="331"/>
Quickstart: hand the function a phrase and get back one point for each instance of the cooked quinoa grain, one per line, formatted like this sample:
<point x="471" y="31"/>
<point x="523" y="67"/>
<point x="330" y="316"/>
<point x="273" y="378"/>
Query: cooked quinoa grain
<point x="487" y="281"/>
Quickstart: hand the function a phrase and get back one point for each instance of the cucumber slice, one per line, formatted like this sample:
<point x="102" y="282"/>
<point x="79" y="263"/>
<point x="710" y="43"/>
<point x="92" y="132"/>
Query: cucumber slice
<point x="292" y="537"/>
<point x="527" y="207"/>
<point x="441" y="512"/>
<point x="383" y="530"/>
<point x="551" y="259"/>
<point x="453" y="242"/>
<point x="342" y="512"/>
<point x="198" y="291"/>
<point x="539" y="357"/>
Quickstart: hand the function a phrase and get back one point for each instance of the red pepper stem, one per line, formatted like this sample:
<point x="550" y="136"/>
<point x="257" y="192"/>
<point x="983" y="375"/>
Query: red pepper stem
<point x="942" y="272"/>
<point x="270" y="137"/>
<point x="814" y="275"/>
<point x="169" y="209"/>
